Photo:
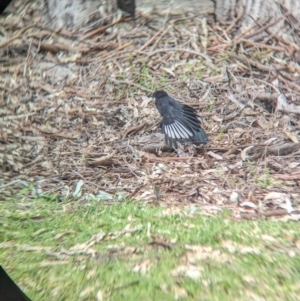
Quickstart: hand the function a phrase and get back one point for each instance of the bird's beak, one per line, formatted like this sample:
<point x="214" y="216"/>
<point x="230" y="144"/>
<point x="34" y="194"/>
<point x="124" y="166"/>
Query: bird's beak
<point x="150" y="95"/>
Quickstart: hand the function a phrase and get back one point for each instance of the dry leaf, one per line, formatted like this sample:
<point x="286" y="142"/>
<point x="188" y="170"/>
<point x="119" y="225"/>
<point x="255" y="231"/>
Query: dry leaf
<point x="190" y="271"/>
<point x="216" y="156"/>
<point x="99" y="296"/>
<point x="143" y="267"/>
<point x="248" y="204"/>
<point x="280" y="200"/>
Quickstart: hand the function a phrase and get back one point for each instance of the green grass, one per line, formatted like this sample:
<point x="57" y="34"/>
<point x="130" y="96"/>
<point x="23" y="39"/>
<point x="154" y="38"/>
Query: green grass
<point x="50" y="250"/>
<point x="262" y="177"/>
<point x="265" y="179"/>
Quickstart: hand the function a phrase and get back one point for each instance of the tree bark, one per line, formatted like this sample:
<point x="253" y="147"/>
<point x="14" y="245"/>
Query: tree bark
<point x="284" y="14"/>
<point x="79" y="13"/>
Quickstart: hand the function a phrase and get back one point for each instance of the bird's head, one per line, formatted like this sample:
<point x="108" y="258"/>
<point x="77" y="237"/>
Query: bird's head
<point x="159" y="94"/>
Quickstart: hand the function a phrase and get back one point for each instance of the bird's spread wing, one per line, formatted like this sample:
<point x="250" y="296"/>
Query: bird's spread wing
<point x="190" y="119"/>
<point x="174" y="128"/>
<point x="182" y="126"/>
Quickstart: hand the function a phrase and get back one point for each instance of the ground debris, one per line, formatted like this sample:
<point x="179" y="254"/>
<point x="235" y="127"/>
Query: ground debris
<point x="76" y="111"/>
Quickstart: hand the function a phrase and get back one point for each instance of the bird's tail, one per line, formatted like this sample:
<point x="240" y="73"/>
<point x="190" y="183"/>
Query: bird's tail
<point x="200" y="137"/>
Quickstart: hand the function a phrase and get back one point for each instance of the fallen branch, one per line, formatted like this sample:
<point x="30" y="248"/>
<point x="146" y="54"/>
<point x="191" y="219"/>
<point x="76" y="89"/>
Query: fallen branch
<point x="255" y="152"/>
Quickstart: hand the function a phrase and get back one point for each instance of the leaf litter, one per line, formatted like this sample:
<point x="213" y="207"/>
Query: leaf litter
<point x="76" y="122"/>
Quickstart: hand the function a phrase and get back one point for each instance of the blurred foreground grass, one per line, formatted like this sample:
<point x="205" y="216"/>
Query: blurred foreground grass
<point x="131" y="251"/>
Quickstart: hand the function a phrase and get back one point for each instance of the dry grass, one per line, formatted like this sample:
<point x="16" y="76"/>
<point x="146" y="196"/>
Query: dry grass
<point x="74" y="112"/>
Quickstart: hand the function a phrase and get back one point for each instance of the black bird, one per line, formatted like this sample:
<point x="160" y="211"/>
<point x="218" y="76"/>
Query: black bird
<point x="180" y="122"/>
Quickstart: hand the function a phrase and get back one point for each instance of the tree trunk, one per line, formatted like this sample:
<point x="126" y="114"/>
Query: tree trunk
<point x="78" y="13"/>
<point x="284" y="14"/>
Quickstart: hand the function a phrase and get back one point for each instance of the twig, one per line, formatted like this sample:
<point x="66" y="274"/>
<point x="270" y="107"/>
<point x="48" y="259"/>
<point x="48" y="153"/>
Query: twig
<point x="160" y="242"/>
<point x="151" y="40"/>
<point x="159" y="38"/>
<point x="263" y="46"/>
<point x="100" y="30"/>
<point x="9" y="117"/>
<point x="208" y="60"/>
<point x="262" y="28"/>
<point x="129" y="84"/>
<point x="133" y="129"/>
<point x="18" y="35"/>
<point x="235" y="101"/>
<point x="235" y="21"/>
<point x="248" y="61"/>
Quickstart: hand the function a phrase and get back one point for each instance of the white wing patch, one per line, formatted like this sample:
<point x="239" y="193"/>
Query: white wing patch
<point x="182" y="133"/>
<point x="176" y="134"/>
<point x="184" y="130"/>
<point x="169" y="131"/>
<point x="177" y="131"/>
<point x="166" y="130"/>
